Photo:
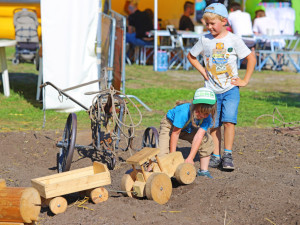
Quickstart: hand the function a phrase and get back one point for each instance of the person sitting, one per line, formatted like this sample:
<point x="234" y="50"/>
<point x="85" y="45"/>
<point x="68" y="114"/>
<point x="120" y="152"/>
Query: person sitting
<point x="241" y="24"/>
<point x="185" y="22"/>
<point x="264" y="25"/>
<point x="139" y="23"/>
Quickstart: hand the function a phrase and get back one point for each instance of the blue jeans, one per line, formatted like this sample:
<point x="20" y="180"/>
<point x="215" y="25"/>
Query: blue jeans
<point x="132" y="39"/>
<point x="227" y="107"/>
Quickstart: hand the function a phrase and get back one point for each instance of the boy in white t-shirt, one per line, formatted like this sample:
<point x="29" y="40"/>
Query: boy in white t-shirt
<point x="220" y="50"/>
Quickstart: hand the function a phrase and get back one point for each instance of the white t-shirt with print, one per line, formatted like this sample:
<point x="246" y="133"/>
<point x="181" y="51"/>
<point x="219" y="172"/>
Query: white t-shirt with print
<point x="220" y="58"/>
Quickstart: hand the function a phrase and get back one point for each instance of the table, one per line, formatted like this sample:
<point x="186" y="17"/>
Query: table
<point x="5" y="79"/>
<point x="183" y="33"/>
<point x="278" y="56"/>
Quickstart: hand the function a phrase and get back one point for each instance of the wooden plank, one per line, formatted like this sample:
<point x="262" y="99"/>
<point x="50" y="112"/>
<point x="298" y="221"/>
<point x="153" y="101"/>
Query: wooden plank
<point x="170" y="162"/>
<point x="2" y="183"/>
<point x="140" y="177"/>
<point x="139" y="188"/>
<point x="11" y="223"/>
<point x="72" y="181"/>
<point x="99" y="167"/>
<point x="143" y="156"/>
<point x="54" y="178"/>
<point x="78" y="184"/>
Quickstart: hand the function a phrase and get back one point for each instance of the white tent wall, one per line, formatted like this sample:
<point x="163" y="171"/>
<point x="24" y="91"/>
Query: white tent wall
<point x="69" y="30"/>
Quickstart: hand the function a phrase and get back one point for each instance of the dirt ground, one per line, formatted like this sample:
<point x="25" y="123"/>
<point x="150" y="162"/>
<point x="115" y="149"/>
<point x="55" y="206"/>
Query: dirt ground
<point x="263" y="189"/>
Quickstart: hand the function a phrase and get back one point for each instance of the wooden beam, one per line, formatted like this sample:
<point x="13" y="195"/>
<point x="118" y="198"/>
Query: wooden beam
<point x="143" y="156"/>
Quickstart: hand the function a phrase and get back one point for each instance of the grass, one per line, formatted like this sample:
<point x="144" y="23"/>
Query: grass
<point x="159" y="90"/>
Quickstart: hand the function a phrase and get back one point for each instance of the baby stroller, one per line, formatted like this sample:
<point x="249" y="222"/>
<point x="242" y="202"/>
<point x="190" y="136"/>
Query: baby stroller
<point x="26" y="24"/>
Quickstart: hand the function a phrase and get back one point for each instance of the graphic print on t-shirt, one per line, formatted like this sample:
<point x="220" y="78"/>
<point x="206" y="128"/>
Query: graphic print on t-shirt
<point x="219" y="67"/>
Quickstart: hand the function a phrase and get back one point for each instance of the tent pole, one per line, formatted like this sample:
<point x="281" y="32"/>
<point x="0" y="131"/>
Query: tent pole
<point x="98" y="49"/>
<point x="155" y="35"/>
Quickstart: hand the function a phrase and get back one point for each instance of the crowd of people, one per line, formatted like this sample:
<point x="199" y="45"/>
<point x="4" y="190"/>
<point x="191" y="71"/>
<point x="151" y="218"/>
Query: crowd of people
<point x="140" y="23"/>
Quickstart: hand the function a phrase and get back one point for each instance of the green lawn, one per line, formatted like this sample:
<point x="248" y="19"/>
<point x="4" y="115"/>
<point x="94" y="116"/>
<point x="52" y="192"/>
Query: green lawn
<point x="266" y="91"/>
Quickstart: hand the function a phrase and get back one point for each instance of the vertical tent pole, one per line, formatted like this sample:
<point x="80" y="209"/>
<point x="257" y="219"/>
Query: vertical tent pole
<point x="98" y="49"/>
<point x="155" y="35"/>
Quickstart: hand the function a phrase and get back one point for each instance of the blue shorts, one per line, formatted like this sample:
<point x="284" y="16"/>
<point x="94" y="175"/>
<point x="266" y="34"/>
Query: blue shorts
<point x="227" y="106"/>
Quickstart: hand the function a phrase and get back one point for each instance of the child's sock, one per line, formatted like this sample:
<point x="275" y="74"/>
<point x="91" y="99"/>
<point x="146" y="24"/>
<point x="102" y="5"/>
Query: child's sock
<point x="218" y="156"/>
<point x="204" y="171"/>
<point x="227" y="151"/>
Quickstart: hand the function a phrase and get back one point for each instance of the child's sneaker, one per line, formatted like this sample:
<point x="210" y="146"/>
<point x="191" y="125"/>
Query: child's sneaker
<point x="214" y="161"/>
<point x="203" y="174"/>
<point x="227" y="161"/>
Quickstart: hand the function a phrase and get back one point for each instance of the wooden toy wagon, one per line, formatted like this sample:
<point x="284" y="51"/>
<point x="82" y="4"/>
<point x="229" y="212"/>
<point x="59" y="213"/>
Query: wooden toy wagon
<point x="156" y="185"/>
<point x="89" y="179"/>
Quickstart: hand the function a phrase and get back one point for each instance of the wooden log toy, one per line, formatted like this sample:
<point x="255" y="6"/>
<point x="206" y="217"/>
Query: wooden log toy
<point x="18" y="205"/>
<point x="155" y="185"/>
<point x="88" y="179"/>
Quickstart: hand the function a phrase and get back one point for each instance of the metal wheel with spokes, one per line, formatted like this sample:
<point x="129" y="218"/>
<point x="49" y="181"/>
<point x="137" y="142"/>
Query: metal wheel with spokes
<point x="150" y="138"/>
<point x="67" y="145"/>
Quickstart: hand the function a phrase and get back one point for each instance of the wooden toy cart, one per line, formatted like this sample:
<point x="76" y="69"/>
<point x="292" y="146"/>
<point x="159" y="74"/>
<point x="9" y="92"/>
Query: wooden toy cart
<point x="89" y="179"/>
<point x="156" y="185"/>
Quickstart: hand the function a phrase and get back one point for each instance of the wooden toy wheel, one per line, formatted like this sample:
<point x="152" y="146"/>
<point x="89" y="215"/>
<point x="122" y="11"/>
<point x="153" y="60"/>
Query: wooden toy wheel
<point x="127" y="183"/>
<point x="98" y="195"/>
<point x="58" y="205"/>
<point x="159" y="188"/>
<point x="65" y="155"/>
<point x="185" y="173"/>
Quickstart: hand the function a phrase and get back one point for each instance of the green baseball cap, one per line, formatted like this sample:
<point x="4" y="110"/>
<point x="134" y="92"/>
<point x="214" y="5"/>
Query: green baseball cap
<point x="204" y="95"/>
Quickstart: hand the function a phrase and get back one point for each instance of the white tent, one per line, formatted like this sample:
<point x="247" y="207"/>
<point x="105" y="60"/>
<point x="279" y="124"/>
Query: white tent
<point x="69" y="33"/>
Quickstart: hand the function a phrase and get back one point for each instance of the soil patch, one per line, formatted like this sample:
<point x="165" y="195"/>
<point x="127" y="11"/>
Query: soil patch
<point x="263" y="189"/>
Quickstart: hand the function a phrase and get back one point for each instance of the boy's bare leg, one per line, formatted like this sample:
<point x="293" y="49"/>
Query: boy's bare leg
<point x="216" y="135"/>
<point x="227" y="161"/>
<point x="229" y="132"/>
<point x="204" y="161"/>
<point x="215" y="159"/>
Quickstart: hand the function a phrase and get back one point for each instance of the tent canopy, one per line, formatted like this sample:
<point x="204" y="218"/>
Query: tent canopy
<point x="169" y="11"/>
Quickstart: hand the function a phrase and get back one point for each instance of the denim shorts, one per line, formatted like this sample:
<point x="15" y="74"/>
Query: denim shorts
<point x="227" y="106"/>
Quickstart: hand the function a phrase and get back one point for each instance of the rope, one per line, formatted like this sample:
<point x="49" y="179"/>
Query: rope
<point x="275" y="118"/>
<point x="100" y="115"/>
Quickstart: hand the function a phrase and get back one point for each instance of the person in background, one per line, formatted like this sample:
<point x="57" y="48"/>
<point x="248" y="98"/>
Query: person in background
<point x="190" y="121"/>
<point x="200" y="6"/>
<point x="263" y="25"/>
<point x="185" y="22"/>
<point x="241" y="24"/>
<point x="139" y="23"/>
<point x="220" y="50"/>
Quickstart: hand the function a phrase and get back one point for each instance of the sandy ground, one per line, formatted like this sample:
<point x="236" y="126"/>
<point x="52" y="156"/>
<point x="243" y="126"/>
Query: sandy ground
<point x="263" y="189"/>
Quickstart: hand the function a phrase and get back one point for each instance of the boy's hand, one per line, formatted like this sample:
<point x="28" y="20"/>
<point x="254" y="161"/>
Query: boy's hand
<point x="238" y="82"/>
<point x="188" y="160"/>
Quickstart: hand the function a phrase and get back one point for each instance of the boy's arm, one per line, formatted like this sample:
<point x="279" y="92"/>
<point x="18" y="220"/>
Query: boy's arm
<point x="174" y="138"/>
<point x="193" y="60"/>
<point x="195" y="145"/>
<point x="251" y="62"/>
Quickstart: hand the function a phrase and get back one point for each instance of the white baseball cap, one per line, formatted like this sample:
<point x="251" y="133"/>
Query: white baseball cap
<point x="204" y="95"/>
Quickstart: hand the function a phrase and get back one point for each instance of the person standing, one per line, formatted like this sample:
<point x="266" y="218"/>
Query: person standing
<point x="241" y="24"/>
<point x="220" y="50"/>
